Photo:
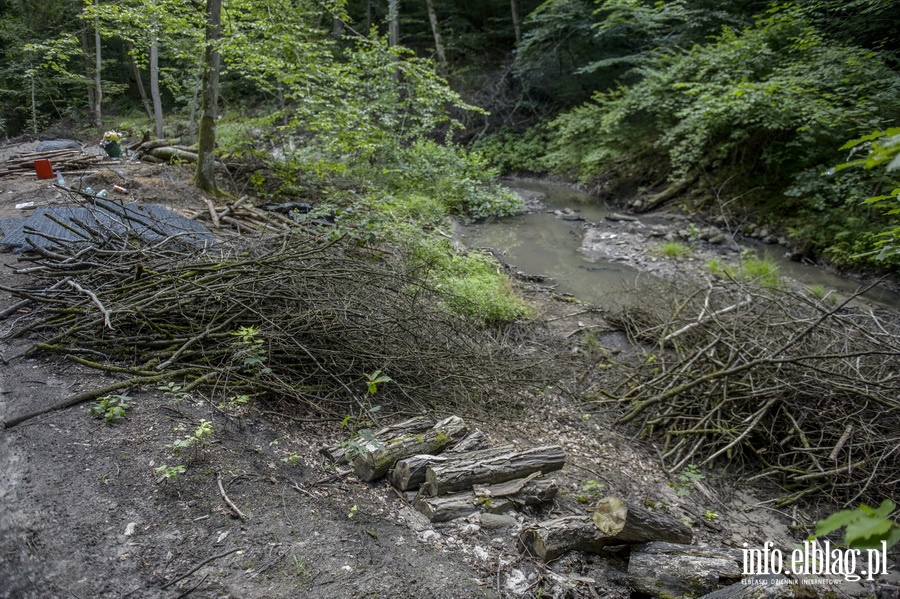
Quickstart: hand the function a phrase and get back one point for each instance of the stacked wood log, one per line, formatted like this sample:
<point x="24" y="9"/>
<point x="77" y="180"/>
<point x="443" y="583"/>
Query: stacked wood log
<point x="62" y="160"/>
<point x="673" y="570"/>
<point x="453" y="472"/>
<point x="614" y="522"/>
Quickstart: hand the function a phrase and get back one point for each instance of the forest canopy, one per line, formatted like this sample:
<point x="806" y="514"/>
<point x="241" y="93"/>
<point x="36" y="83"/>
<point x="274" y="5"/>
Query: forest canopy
<point x="750" y="102"/>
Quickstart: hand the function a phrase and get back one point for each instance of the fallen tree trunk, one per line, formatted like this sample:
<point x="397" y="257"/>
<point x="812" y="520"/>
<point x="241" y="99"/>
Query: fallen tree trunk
<point x="380" y="456"/>
<point x="412" y="426"/>
<point x="629" y="523"/>
<point x="495" y="499"/>
<point x="409" y="473"/>
<point x="168" y="153"/>
<point x="552" y="538"/>
<point x="495" y="467"/>
<point x="671" y="571"/>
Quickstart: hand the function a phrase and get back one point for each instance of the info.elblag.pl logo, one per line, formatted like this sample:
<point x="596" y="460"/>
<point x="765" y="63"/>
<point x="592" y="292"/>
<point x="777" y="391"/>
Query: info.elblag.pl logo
<point x="819" y="560"/>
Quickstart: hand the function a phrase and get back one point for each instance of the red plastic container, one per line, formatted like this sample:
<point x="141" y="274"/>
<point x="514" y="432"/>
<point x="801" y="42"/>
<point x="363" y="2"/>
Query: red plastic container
<point x="43" y="169"/>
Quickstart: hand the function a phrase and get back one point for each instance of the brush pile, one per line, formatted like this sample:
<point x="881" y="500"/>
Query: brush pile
<point x="62" y="160"/>
<point x="293" y="317"/>
<point x="804" y="390"/>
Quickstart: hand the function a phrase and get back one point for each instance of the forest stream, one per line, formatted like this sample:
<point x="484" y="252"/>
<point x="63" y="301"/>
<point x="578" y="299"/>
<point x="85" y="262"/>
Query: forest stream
<point x="542" y="242"/>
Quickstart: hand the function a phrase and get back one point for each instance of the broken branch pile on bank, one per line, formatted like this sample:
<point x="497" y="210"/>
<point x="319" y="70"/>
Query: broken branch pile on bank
<point x="799" y="389"/>
<point x="291" y="317"/>
<point x="62" y="160"/>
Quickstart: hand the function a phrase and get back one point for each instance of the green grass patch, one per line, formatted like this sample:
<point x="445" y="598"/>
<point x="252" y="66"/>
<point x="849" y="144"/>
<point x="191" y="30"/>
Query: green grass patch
<point x="674" y="250"/>
<point x="763" y="271"/>
<point x="470" y="284"/>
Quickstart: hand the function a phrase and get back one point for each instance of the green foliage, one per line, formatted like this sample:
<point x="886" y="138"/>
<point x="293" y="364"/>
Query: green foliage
<point x="200" y="437"/>
<point x="470" y="284"/>
<point x="882" y="148"/>
<point x="674" y="250"/>
<point x="762" y="271"/>
<point x="174" y="392"/>
<point x="590" y="491"/>
<point x="684" y="482"/>
<point x="864" y="527"/>
<point x="762" y="100"/>
<point x="356" y="446"/>
<point x="169" y="472"/>
<point x="250" y="351"/>
<point x="374" y="379"/>
<point x="111" y="407"/>
<point x="514" y="151"/>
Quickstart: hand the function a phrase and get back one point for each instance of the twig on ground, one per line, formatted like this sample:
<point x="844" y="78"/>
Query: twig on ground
<point x="200" y="565"/>
<point x="228" y="502"/>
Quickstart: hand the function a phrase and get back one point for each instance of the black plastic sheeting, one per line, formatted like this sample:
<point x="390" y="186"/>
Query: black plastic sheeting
<point x="75" y="224"/>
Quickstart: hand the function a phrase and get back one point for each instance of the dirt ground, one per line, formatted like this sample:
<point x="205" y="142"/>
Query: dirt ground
<point x="84" y="514"/>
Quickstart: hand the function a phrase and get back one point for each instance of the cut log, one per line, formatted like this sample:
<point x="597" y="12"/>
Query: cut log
<point x="552" y="538"/>
<point x="409" y="473"/>
<point x="458" y="473"/>
<point x="495" y="499"/>
<point x="629" y="523"/>
<point x="380" y="456"/>
<point x="763" y="586"/>
<point x="669" y="570"/>
<point x="475" y="440"/>
<point x="412" y="426"/>
<point x="168" y="153"/>
<point x="458" y="505"/>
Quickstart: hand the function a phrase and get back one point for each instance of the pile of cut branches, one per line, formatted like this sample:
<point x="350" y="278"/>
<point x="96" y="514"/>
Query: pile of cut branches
<point x="802" y="390"/>
<point x="292" y="317"/>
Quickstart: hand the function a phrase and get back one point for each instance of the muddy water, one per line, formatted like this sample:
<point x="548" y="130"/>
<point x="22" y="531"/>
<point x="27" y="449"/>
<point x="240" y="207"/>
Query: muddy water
<point x="544" y="244"/>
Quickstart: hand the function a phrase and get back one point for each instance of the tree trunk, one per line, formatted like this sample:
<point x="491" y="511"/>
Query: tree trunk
<point x="674" y="571"/>
<point x="380" y="457"/>
<point x="154" y="79"/>
<point x="34" y="120"/>
<point x="88" y="70"/>
<point x="139" y="81"/>
<point x="205" y="175"/>
<point x="500" y="466"/>
<point x="628" y="523"/>
<point x="435" y="30"/>
<point x="517" y="24"/>
<point x="98" y="79"/>
<point x="393" y="22"/>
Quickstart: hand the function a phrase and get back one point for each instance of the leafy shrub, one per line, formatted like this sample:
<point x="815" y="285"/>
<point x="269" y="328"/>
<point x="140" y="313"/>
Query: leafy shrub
<point x="470" y="284"/>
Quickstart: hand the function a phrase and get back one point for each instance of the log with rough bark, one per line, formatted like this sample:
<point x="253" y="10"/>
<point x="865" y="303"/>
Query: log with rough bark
<point x="671" y="571"/>
<point x="462" y="472"/>
<point x="475" y="440"/>
<point x="380" y="456"/>
<point x="629" y="523"/>
<point x="409" y="473"/>
<point x="532" y="490"/>
<point x="458" y="505"/>
<point x="412" y="426"/>
<point x="169" y="153"/>
<point x="763" y="586"/>
<point x="552" y="538"/>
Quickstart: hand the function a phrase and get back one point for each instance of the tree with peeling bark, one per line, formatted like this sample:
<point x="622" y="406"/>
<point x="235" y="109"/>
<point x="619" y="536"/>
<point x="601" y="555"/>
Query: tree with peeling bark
<point x="205" y="176"/>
